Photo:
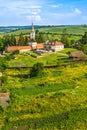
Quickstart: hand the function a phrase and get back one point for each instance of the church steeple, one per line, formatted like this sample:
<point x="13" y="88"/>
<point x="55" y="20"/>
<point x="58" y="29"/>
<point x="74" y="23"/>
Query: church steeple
<point x="32" y="33"/>
<point x="33" y="27"/>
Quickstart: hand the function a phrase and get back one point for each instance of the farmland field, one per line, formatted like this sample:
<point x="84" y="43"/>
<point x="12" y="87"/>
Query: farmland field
<point x="75" y="29"/>
<point x="59" y="104"/>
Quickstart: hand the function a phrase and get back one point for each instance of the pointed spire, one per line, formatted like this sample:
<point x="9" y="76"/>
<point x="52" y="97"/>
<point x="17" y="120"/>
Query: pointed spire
<point x="32" y="33"/>
<point x="32" y="27"/>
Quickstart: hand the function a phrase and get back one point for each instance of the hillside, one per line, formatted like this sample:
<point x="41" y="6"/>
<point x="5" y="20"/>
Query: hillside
<point x="75" y="29"/>
<point x="56" y="100"/>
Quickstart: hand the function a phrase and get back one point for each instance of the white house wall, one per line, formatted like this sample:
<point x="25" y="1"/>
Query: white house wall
<point x="57" y="48"/>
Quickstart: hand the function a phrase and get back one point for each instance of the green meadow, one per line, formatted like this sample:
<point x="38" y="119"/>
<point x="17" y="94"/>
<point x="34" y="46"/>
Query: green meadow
<point x="75" y="29"/>
<point x="47" y="59"/>
<point x="56" y="100"/>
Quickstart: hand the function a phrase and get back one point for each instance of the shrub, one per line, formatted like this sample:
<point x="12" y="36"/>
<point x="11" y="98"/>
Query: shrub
<point x="37" y="70"/>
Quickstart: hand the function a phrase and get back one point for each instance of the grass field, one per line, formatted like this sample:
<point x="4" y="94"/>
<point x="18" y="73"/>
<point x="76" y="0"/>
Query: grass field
<point x="47" y="59"/>
<point x="59" y="105"/>
<point x="70" y="29"/>
<point x="75" y="29"/>
<point x="57" y="100"/>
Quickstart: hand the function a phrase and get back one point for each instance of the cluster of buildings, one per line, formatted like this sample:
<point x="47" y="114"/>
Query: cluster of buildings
<point x="33" y="45"/>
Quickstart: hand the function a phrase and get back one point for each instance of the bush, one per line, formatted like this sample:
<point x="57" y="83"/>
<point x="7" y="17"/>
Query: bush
<point x="37" y="70"/>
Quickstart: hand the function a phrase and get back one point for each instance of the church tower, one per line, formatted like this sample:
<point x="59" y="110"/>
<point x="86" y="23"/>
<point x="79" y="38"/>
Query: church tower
<point x="32" y="41"/>
<point x="32" y="33"/>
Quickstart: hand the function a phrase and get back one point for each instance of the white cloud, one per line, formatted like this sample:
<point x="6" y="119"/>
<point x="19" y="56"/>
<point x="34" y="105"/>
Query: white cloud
<point x="34" y="13"/>
<point x="77" y="11"/>
<point x="20" y="7"/>
<point x="56" y="5"/>
<point x="74" y="13"/>
<point x="35" y="18"/>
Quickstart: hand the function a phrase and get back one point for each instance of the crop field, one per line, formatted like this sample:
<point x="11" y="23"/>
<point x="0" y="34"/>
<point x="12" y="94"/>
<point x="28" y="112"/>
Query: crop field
<point x="59" y="104"/>
<point x="75" y="29"/>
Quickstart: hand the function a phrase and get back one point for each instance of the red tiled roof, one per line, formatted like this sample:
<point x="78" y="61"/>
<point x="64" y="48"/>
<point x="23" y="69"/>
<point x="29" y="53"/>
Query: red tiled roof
<point x="33" y="47"/>
<point x="77" y="54"/>
<point x="13" y="48"/>
<point x="54" y="43"/>
<point x="40" y="45"/>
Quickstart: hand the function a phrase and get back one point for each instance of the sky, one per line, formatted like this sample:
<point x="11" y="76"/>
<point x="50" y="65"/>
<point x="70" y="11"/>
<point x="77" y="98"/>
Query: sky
<point x="43" y="12"/>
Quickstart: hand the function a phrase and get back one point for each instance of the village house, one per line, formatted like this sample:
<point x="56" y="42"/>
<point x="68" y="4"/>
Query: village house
<point x="54" y="45"/>
<point x="4" y="99"/>
<point x="24" y="48"/>
<point x="76" y="54"/>
<point x="20" y="48"/>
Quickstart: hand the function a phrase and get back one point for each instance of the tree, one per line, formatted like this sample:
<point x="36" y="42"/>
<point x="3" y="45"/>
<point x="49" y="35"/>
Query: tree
<point x="26" y="41"/>
<point x="12" y="40"/>
<point x="21" y="40"/>
<point x="41" y="37"/>
<point x="6" y="40"/>
<point x="2" y="64"/>
<point x="84" y="48"/>
<point x="65" y="39"/>
<point x="2" y="46"/>
<point x="37" y="70"/>
<point x="84" y="38"/>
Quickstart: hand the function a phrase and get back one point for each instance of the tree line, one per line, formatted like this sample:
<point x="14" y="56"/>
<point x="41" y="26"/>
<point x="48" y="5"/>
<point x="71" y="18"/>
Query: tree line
<point x="80" y="44"/>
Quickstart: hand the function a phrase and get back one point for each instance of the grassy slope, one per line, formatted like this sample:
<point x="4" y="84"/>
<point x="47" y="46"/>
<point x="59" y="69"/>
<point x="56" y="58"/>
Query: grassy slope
<point x="61" y="104"/>
<point x="70" y="29"/>
<point x="48" y="59"/>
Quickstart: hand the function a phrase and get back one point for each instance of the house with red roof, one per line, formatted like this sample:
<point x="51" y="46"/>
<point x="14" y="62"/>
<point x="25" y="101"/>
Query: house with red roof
<point x="40" y="46"/>
<point x="25" y="48"/>
<point x="77" y="54"/>
<point x="20" y="48"/>
<point x="54" y="45"/>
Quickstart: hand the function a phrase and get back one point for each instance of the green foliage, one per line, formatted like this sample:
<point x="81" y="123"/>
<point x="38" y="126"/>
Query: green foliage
<point x="21" y="40"/>
<point x="37" y="70"/>
<point x="3" y="79"/>
<point x="3" y="64"/>
<point x="40" y="38"/>
<point x="15" y="52"/>
<point x="26" y="41"/>
<point x="12" y="55"/>
<point x="84" y="48"/>
<point x="84" y="38"/>
<point x="66" y="40"/>
<point x="9" y="40"/>
<point x="59" y="104"/>
<point x="2" y="46"/>
<point x="12" y="40"/>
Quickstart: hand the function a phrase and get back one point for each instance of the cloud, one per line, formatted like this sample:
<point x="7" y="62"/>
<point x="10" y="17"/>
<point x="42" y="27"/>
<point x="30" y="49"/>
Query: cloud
<point x="56" y="5"/>
<point x="20" y="7"/>
<point x="41" y="11"/>
<point x="35" y="18"/>
<point x="77" y="11"/>
<point x="73" y="13"/>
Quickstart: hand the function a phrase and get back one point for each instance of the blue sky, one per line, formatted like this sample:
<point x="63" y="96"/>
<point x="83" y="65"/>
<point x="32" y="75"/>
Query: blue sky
<point x="43" y="12"/>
